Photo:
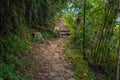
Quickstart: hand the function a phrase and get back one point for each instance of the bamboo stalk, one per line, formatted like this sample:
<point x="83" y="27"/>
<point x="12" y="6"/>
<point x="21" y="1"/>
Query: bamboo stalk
<point x="118" y="65"/>
<point x="111" y="30"/>
<point x="106" y="42"/>
<point x="106" y="51"/>
<point x="107" y="36"/>
<point x="100" y="38"/>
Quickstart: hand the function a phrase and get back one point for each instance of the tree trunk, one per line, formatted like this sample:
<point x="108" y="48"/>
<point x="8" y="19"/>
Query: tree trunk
<point x="8" y="3"/>
<point x="84" y="28"/>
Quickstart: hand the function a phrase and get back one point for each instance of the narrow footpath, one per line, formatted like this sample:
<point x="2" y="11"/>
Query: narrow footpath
<point x="50" y="63"/>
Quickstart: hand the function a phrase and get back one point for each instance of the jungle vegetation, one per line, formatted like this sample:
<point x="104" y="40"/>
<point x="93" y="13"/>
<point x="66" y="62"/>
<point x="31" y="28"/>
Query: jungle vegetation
<point x="94" y="34"/>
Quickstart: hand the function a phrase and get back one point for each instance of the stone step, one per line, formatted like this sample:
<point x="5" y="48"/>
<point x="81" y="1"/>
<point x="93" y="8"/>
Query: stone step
<point x="65" y="31"/>
<point x="65" y="34"/>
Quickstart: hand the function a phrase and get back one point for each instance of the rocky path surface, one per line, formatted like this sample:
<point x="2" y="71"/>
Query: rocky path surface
<point x="50" y="63"/>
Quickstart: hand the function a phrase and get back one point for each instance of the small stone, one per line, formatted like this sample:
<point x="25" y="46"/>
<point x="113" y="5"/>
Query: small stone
<point x="43" y="78"/>
<point x="71" y="79"/>
<point x="66" y="65"/>
<point x="50" y="78"/>
<point x="59" y="78"/>
<point x="61" y="73"/>
<point x="49" y="42"/>
<point x="69" y="74"/>
<point x="58" y="67"/>
<point x="85" y="75"/>
<point x="67" y="71"/>
<point x="38" y="37"/>
<point x="53" y="73"/>
<point x="46" y="74"/>
<point x="40" y="74"/>
<point x="56" y="55"/>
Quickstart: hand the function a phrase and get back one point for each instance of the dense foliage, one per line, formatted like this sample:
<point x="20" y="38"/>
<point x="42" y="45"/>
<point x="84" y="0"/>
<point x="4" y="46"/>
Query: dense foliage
<point x="17" y="18"/>
<point x="93" y="28"/>
<point x="94" y="32"/>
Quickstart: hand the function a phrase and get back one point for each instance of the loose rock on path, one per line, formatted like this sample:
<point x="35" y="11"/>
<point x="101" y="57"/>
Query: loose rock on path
<point x="50" y="63"/>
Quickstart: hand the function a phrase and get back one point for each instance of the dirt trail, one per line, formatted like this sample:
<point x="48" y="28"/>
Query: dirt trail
<point x="50" y="63"/>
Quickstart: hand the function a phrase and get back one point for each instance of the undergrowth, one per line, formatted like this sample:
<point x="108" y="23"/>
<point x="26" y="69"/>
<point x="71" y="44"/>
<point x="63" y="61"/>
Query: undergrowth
<point x="73" y="50"/>
<point x="12" y="52"/>
<point x="47" y="35"/>
<point x="17" y="18"/>
<point x="82" y="71"/>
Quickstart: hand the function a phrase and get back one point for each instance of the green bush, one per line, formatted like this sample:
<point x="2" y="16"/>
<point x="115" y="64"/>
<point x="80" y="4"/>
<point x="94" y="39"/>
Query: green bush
<point x="47" y="35"/>
<point x="12" y="50"/>
<point x="8" y="72"/>
<point x="82" y="70"/>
